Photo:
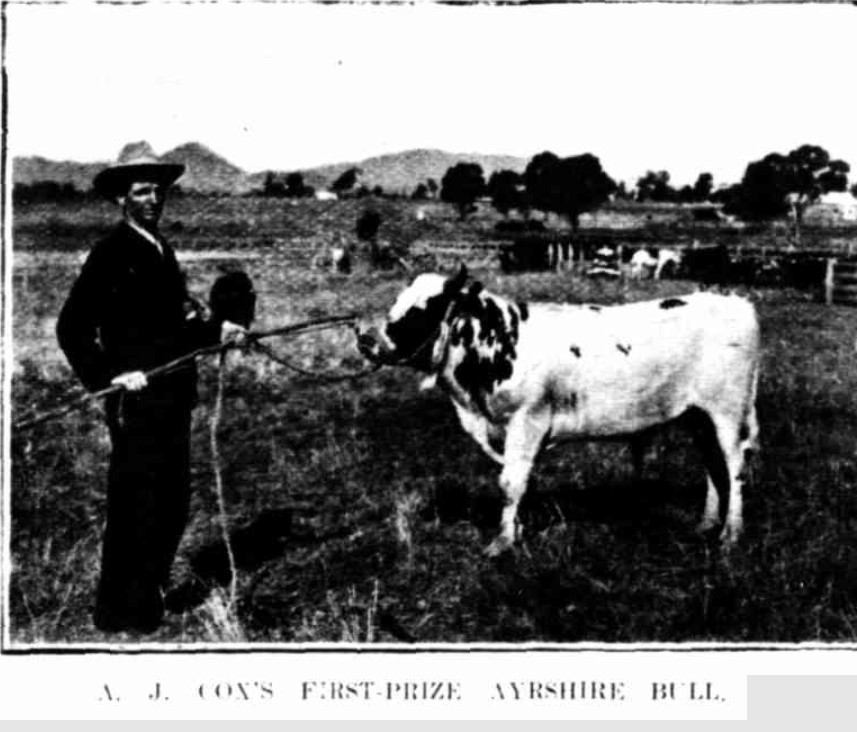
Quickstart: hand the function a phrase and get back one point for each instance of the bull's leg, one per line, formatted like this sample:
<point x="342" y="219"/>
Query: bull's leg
<point x="711" y="513"/>
<point x="732" y="446"/>
<point x="750" y="440"/>
<point x="717" y="478"/>
<point x="723" y="448"/>
<point x="478" y="428"/>
<point x="524" y="437"/>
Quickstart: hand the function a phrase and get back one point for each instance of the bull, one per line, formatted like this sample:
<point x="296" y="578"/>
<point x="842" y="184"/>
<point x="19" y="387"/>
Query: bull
<point x="525" y="376"/>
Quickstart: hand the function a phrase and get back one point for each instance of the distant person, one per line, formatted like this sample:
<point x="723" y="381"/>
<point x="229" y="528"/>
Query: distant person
<point x="129" y="311"/>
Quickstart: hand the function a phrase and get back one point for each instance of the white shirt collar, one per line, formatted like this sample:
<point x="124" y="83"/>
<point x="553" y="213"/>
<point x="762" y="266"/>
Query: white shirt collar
<point x="145" y="234"/>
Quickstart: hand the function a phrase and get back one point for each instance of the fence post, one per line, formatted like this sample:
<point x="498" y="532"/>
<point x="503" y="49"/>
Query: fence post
<point x="829" y="281"/>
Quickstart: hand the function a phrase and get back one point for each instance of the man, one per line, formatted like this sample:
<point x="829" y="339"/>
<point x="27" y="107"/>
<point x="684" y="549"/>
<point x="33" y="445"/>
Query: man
<point x="128" y="312"/>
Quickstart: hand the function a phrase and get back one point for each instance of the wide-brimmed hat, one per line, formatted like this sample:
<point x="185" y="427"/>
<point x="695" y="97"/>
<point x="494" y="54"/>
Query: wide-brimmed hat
<point x="137" y="162"/>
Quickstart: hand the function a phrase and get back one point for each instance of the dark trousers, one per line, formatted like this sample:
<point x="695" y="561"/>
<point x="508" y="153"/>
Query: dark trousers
<point x="148" y="497"/>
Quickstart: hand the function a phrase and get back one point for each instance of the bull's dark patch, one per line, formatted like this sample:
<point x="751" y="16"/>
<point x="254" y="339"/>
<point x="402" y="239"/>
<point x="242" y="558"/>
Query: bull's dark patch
<point x="595" y="308"/>
<point x="462" y="333"/>
<point x="575" y="350"/>
<point x="489" y="331"/>
<point x="744" y="431"/>
<point x="524" y="310"/>
<point x="672" y="302"/>
<point x="624" y="348"/>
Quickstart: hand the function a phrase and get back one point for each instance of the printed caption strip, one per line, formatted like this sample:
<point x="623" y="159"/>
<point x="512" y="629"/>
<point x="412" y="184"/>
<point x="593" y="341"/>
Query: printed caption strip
<point x="520" y="685"/>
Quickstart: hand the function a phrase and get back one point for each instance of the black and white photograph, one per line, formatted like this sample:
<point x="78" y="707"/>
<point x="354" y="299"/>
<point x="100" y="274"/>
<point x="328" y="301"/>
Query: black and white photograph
<point x="429" y="327"/>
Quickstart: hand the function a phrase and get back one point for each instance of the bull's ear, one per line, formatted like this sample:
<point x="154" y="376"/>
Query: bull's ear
<point x="457" y="282"/>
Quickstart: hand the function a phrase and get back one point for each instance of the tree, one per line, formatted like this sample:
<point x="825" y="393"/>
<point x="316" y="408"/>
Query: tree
<point x="655" y="186"/>
<point x="729" y="197"/>
<point x="584" y="185"/>
<point x="540" y="180"/>
<point x="568" y="186"/>
<point x="295" y="186"/>
<point x="366" y="229"/>
<point x="461" y="185"/>
<point x="367" y="225"/>
<point x="778" y="183"/>
<point x="272" y="186"/>
<point x="685" y="194"/>
<point x="854" y="190"/>
<point x="504" y="187"/>
<point x="813" y="174"/>
<point x="703" y="187"/>
<point x="346" y="181"/>
<point x="420" y="192"/>
<point x="44" y="191"/>
<point x="764" y="188"/>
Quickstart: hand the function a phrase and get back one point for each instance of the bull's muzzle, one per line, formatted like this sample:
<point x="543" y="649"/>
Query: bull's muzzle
<point x="372" y="345"/>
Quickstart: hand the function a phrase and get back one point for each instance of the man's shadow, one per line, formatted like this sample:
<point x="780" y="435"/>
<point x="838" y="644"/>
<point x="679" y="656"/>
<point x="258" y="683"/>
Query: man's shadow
<point x="266" y="538"/>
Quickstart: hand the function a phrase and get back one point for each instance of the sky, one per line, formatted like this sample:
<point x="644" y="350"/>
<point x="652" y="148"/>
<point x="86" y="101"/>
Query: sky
<point x="682" y="88"/>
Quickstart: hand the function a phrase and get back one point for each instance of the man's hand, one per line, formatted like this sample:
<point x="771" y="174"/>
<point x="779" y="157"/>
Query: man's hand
<point x="131" y="380"/>
<point x="232" y="334"/>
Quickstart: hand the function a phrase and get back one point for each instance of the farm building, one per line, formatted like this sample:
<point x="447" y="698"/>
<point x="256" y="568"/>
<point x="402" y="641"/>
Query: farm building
<point x="833" y="208"/>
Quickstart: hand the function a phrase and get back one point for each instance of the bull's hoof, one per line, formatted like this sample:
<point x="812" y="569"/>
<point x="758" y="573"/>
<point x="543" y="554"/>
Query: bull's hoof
<point x="500" y="545"/>
<point x="729" y="536"/>
<point x="706" y="526"/>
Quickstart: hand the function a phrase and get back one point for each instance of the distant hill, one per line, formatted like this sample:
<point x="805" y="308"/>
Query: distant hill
<point x="206" y="171"/>
<point x="209" y="172"/>
<point x="35" y="169"/>
<point x="403" y="171"/>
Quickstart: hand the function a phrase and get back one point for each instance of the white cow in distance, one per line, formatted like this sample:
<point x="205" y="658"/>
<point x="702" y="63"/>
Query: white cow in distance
<point x="667" y="258"/>
<point x="643" y="264"/>
<point x="524" y="376"/>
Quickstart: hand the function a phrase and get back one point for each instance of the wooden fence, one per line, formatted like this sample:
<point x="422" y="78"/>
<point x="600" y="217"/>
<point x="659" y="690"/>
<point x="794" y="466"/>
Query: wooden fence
<point x="840" y="283"/>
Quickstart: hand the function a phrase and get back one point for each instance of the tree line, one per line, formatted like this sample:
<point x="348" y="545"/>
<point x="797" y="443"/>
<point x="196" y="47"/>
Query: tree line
<point x="771" y="187"/>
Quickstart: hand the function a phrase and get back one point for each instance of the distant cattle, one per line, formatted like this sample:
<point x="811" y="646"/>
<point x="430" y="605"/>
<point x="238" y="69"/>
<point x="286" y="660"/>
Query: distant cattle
<point x="669" y="263"/>
<point x="325" y="196"/>
<point x="524" y="376"/>
<point x="655" y="263"/>
<point x="334" y="257"/>
<point x="643" y="264"/>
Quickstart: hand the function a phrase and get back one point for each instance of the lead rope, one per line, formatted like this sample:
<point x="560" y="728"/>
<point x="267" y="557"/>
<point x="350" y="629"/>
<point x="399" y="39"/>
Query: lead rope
<point x="214" y="426"/>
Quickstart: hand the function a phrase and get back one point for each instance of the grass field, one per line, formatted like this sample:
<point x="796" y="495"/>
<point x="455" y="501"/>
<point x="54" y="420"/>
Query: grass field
<point x="359" y="509"/>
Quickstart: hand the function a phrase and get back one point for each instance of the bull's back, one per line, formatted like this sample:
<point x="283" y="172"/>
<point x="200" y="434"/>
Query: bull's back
<point x="619" y="369"/>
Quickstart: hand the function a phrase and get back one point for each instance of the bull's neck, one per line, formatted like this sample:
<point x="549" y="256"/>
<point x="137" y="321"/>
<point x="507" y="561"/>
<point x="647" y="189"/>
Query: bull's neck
<point x="483" y="337"/>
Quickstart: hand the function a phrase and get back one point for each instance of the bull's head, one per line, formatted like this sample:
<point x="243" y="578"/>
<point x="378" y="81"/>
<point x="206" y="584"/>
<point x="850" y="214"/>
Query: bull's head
<point x="414" y="323"/>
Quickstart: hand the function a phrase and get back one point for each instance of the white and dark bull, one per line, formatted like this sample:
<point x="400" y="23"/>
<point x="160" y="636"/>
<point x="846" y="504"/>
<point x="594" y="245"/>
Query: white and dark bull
<point x="522" y="377"/>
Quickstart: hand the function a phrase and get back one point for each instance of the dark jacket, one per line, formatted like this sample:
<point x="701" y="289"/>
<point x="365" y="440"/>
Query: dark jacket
<point x="130" y="310"/>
